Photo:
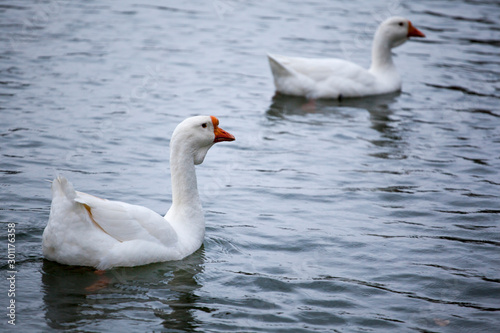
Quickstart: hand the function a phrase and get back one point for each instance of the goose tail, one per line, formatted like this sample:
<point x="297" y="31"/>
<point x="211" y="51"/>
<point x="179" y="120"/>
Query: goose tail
<point x="279" y="69"/>
<point x="61" y="187"/>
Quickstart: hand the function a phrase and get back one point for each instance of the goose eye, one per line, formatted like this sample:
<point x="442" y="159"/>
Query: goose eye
<point x="401" y="24"/>
<point x="204" y="125"/>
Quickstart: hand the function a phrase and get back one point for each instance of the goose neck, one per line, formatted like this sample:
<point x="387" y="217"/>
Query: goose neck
<point x="381" y="55"/>
<point x="184" y="184"/>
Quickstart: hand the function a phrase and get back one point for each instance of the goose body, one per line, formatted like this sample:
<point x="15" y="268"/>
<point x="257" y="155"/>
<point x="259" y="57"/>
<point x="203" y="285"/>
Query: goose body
<point x="89" y="231"/>
<point x="337" y="78"/>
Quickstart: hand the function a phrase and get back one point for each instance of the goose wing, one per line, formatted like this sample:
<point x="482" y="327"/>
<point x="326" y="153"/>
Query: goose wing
<point x="126" y="222"/>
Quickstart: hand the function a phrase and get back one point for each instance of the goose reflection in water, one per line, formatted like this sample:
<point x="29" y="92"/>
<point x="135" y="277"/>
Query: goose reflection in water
<point x="390" y="144"/>
<point x="74" y="295"/>
<point x="379" y="108"/>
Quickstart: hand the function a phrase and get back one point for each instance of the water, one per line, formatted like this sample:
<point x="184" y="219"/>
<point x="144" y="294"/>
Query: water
<point x="366" y="215"/>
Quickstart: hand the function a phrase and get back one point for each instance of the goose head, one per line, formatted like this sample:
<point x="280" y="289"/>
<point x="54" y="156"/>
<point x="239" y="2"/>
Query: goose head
<point x="396" y="30"/>
<point x="196" y="135"/>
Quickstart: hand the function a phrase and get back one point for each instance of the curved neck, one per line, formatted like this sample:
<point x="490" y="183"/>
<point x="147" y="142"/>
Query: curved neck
<point x="186" y="214"/>
<point x="381" y="55"/>
<point x="185" y="197"/>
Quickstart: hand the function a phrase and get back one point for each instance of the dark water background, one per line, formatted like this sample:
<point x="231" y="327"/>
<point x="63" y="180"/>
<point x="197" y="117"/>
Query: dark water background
<point x="366" y="215"/>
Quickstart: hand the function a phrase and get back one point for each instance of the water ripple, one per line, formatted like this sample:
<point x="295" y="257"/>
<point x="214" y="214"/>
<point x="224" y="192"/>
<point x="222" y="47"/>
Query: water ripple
<point x="376" y="214"/>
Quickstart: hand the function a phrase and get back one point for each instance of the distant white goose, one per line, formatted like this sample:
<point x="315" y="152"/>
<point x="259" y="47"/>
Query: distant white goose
<point x="88" y="231"/>
<point x="337" y="78"/>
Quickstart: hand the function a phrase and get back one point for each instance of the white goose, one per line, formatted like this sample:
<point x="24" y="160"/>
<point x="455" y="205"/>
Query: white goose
<point x="88" y="231"/>
<point x="337" y="78"/>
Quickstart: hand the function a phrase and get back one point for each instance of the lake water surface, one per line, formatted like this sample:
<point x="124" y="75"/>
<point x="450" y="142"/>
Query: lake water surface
<point x="366" y="215"/>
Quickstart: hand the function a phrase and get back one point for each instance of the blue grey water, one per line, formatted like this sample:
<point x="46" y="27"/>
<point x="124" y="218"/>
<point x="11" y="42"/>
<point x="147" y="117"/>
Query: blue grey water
<point x="364" y="215"/>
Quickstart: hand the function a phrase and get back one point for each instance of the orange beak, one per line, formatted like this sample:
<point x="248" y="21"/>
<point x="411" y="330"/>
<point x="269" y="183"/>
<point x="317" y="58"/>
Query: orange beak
<point x="414" y="32"/>
<point x="220" y="134"/>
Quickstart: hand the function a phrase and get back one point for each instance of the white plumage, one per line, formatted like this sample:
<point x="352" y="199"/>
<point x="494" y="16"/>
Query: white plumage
<point x="89" y="231"/>
<point x="337" y="78"/>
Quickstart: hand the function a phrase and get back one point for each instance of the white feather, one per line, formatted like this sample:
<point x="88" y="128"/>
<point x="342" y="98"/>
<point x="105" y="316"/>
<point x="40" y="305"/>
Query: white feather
<point x="89" y="231"/>
<point x="335" y="78"/>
